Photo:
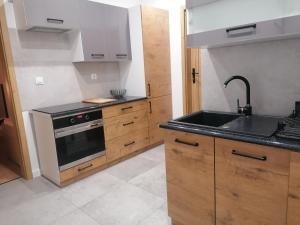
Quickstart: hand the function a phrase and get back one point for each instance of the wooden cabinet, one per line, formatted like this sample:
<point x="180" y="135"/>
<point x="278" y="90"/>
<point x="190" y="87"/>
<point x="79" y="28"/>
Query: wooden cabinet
<point x="125" y="129"/>
<point x="190" y="178"/>
<point x="251" y="184"/>
<point x="294" y="191"/>
<point x="55" y="15"/>
<point x="80" y="170"/>
<point x="160" y="111"/>
<point x="156" y="43"/>
<point x="104" y="33"/>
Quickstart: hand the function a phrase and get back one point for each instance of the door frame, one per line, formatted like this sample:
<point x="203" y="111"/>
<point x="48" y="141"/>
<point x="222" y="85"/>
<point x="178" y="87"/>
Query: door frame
<point x="187" y="61"/>
<point x="26" y="171"/>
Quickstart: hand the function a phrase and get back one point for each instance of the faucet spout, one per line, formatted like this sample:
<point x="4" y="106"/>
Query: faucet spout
<point x="247" y="109"/>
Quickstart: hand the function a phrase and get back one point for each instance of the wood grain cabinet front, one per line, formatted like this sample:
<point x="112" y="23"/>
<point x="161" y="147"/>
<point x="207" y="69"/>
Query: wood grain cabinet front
<point x="294" y="191"/>
<point x="251" y="184"/>
<point x="190" y="178"/>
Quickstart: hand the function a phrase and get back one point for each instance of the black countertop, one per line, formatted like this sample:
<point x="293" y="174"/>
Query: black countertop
<point x="226" y="134"/>
<point x="78" y="107"/>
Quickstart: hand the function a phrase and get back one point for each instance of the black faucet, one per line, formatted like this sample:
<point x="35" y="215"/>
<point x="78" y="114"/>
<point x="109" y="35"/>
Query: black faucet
<point x="247" y="110"/>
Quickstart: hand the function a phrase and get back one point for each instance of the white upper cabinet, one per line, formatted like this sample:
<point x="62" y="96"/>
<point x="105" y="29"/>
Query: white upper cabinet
<point x="214" y="23"/>
<point x="104" y="33"/>
<point x="46" y="15"/>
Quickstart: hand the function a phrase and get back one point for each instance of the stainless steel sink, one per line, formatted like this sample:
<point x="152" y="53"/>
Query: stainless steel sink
<point x="207" y="119"/>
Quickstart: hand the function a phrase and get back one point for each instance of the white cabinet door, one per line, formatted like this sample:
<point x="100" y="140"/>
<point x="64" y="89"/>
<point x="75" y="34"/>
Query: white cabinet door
<point x="55" y="14"/>
<point x="119" y="34"/>
<point x="93" y="28"/>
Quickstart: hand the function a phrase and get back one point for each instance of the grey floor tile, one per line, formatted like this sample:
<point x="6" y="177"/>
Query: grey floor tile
<point x="76" y="217"/>
<point x="86" y="190"/>
<point x="159" y="217"/>
<point x="153" y="181"/>
<point x="131" y="168"/>
<point x="13" y="194"/>
<point x="38" y="211"/>
<point x="157" y="153"/>
<point x="126" y="205"/>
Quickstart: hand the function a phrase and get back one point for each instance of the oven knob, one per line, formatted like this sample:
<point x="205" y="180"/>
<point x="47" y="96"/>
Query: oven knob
<point x="87" y="117"/>
<point x="72" y="121"/>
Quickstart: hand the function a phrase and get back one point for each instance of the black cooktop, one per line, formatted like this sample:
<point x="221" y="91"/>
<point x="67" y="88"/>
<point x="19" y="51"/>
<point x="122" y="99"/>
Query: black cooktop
<point x="68" y="108"/>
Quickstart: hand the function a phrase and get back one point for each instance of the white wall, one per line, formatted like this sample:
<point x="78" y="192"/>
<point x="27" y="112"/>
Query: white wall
<point x="273" y="69"/>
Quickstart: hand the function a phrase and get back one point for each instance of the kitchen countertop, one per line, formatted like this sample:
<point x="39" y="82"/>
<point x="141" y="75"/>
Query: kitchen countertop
<point x="60" y="110"/>
<point x="268" y="141"/>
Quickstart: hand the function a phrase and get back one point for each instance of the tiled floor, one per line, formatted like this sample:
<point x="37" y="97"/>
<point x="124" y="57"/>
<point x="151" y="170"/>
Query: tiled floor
<point x="130" y="193"/>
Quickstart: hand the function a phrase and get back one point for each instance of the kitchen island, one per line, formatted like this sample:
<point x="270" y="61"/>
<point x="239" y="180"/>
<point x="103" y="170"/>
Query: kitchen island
<point x="220" y="176"/>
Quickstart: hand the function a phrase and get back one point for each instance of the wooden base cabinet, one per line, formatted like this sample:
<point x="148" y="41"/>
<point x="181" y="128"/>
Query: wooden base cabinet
<point x="160" y="111"/>
<point x="294" y="191"/>
<point x="251" y="184"/>
<point x="190" y="178"/>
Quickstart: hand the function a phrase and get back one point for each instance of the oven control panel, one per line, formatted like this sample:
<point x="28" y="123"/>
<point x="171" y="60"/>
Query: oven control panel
<point x="79" y="118"/>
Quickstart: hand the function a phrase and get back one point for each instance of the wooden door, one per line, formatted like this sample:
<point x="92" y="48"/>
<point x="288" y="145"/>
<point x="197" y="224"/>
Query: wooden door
<point x="294" y="191"/>
<point x="156" y="41"/>
<point x="160" y="111"/>
<point x="190" y="178"/>
<point x="251" y="184"/>
<point x="191" y="72"/>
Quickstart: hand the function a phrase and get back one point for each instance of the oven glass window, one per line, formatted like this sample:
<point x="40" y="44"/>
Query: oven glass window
<point x="80" y="145"/>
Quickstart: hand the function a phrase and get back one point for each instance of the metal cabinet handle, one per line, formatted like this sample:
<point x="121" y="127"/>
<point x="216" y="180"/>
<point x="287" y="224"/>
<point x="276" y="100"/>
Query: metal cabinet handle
<point x="241" y="31"/>
<point x="149" y="89"/>
<point x="186" y="143"/>
<point x="131" y="143"/>
<point x="56" y="21"/>
<point x="127" y="124"/>
<point x="130" y="107"/>
<point x="84" y="168"/>
<point x="121" y="55"/>
<point x="249" y="155"/>
<point x="150" y="107"/>
<point x="95" y="55"/>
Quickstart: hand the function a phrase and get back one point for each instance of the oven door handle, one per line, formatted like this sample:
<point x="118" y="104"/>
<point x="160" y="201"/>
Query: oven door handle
<point x="60" y="134"/>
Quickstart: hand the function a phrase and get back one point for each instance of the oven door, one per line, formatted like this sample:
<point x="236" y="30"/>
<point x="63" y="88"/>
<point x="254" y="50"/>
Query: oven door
<point x="79" y="144"/>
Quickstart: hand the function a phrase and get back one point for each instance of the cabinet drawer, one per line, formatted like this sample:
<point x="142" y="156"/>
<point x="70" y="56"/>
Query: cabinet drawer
<point x="122" y="125"/>
<point x="190" y="178"/>
<point x="82" y="168"/>
<point x="128" y="143"/>
<point x="124" y="109"/>
<point x="251" y="183"/>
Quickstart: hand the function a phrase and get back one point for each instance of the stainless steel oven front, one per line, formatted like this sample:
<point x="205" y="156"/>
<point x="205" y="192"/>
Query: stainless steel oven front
<point x="79" y="138"/>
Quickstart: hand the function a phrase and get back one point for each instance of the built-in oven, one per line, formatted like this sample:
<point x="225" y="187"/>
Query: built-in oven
<point x="79" y="138"/>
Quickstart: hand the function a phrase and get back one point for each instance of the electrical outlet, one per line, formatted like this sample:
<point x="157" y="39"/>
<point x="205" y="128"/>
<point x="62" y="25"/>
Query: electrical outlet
<point x="94" y="76"/>
<point x="39" y="81"/>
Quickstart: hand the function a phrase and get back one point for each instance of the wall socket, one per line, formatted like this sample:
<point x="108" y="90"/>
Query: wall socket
<point x="94" y="76"/>
<point x="39" y="81"/>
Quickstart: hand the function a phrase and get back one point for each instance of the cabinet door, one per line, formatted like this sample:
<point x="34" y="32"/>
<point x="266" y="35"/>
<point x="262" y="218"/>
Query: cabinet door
<point x="160" y="111"/>
<point x="93" y="26"/>
<point x="190" y="178"/>
<point x="118" y="34"/>
<point x="294" y="191"/>
<point x="251" y="184"/>
<point x="156" y="40"/>
<point x="51" y="13"/>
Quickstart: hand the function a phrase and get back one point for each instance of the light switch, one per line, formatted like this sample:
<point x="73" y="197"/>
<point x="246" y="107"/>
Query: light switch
<point x="39" y="81"/>
<point x="94" y="76"/>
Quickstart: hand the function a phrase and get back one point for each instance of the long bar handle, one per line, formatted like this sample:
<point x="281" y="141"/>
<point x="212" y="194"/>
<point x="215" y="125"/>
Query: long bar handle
<point x="130" y="107"/>
<point x="249" y="155"/>
<point x="149" y="89"/>
<point x="126" y="124"/>
<point x="84" y="168"/>
<point x="196" y="144"/>
<point x="56" y="21"/>
<point x="131" y="143"/>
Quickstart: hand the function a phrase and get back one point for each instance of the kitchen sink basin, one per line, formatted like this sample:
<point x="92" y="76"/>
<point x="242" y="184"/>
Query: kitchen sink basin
<point x="208" y="118"/>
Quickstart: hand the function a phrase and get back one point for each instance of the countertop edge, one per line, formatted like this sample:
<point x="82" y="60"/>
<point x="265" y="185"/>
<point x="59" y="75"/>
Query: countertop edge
<point x="273" y="142"/>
